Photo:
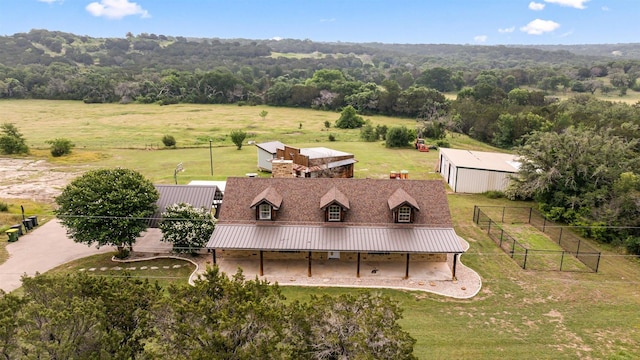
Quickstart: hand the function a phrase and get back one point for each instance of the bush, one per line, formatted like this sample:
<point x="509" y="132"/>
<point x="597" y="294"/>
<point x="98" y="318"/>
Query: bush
<point x="368" y="133"/>
<point x="494" y="194"/>
<point x="4" y="207"/>
<point x="349" y="119"/>
<point x="186" y="227"/>
<point x="169" y="141"/>
<point x="327" y="124"/>
<point x="632" y="243"/>
<point x="399" y="136"/>
<point x="237" y="137"/>
<point x="332" y="137"/>
<point x="443" y="143"/>
<point x="12" y="141"/>
<point x="60" y="146"/>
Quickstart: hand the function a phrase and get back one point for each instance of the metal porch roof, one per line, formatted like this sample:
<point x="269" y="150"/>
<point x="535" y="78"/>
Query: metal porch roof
<point x="324" y="238"/>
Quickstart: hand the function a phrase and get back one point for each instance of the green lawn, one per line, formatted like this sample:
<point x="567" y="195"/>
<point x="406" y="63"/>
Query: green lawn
<point x="517" y="314"/>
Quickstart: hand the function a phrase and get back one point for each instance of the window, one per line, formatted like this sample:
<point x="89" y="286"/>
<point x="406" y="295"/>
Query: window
<point x="404" y="214"/>
<point x="334" y="213"/>
<point x="265" y="212"/>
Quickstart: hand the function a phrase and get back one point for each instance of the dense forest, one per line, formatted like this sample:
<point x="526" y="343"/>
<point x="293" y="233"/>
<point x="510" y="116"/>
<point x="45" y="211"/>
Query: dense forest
<point x="508" y="96"/>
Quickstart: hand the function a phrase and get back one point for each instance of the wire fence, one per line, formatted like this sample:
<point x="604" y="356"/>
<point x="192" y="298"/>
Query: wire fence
<point x="573" y="247"/>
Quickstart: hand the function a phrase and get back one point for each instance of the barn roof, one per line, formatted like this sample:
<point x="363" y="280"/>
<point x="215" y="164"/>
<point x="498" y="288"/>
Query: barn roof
<point x="482" y="160"/>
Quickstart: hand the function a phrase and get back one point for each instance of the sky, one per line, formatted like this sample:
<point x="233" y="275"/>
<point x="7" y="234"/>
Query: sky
<point x="479" y="22"/>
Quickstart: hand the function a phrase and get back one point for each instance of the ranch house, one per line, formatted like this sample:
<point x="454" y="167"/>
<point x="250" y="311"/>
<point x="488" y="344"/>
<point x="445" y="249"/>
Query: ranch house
<point x="335" y="219"/>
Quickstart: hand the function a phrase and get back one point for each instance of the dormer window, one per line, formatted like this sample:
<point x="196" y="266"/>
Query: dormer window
<point x="403" y="206"/>
<point x="334" y="204"/>
<point x="264" y="212"/>
<point x="334" y="213"/>
<point x="404" y="214"/>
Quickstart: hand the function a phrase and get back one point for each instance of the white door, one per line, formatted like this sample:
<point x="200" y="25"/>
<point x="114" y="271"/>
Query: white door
<point x="334" y="255"/>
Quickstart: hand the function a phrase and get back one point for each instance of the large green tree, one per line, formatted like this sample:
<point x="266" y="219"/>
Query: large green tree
<point x="107" y="207"/>
<point x="349" y="119"/>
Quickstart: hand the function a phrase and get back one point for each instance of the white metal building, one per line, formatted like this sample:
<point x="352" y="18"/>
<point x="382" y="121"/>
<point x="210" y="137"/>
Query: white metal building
<point x="267" y="152"/>
<point x="469" y="171"/>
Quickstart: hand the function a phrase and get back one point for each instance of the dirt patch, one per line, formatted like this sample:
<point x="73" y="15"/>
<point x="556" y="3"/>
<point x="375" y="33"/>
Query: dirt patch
<point x="36" y="180"/>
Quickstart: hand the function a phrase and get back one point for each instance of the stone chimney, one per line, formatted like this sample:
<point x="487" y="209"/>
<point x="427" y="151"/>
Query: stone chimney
<point x="282" y="168"/>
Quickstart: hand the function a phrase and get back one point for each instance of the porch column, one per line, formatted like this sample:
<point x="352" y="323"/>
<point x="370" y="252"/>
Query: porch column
<point x="261" y="264"/>
<point x="214" y="256"/>
<point x="309" y="268"/>
<point x="358" y="271"/>
<point x="455" y="262"/>
<point x="406" y="273"/>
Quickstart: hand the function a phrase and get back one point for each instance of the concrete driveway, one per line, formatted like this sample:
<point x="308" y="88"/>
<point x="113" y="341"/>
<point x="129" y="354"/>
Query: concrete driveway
<point x="40" y="250"/>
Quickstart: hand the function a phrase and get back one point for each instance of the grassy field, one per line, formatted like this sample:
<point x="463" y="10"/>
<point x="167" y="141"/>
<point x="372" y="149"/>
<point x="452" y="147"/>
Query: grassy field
<point x="517" y="314"/>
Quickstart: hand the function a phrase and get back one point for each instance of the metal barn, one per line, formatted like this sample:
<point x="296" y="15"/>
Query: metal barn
<point x="468" y="171"/>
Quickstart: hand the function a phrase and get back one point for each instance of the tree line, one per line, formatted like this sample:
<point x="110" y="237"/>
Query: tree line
<point x="79" y="316"/>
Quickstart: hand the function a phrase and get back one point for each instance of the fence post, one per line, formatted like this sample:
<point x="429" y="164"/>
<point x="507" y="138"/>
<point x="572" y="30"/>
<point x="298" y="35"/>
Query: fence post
<point x="544" y="223"/>
<point x="513" y="247"/>
<point x="598" y="262"/>
<point x="501" y="233"/>
<point x="489" y="228"/>
<point x="502" y="220"/>
<point x="560" y="237"/>
<point x="530" y="212"/>
<point x="578" y="249"/>
<point x="524" y="264"/>
<point x="561" y="260"/>
<point x="475" y="212"/>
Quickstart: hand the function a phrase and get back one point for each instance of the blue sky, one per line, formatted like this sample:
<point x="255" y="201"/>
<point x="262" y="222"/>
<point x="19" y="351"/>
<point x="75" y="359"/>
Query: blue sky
<point x="488" y="22"/>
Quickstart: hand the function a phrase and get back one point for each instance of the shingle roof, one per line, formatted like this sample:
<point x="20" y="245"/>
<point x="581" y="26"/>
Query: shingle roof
<point x="334" y="196"/>
<point x="269" y="195"/>
<point x="199" y="196"/>
<point x="400" y="197"/>
<point x="368" y="200"/>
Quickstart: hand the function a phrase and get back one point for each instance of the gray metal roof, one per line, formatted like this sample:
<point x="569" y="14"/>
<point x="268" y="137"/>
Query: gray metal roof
<point x="482" y="160"/>
<point x="322" y="152"/>
<point x="325" y="238"/>
<point x="199" y="196"/>
<point x="344" y="162"/>
<point x="271" y="146"/>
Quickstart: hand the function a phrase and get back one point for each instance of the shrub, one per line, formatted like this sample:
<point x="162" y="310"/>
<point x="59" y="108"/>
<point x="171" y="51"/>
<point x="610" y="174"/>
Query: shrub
<point x="237" y="137"/>
<point x="327" y="124"/>
<point x="399" y="136"/>
<point x="332" y="137"/>
<point x="186" y="227"/>
<point x="60" y="146"/>
<point x="381" y="131"/>
<point x="4" y="207"/>
<point x="349" y="119"/>
<point x="632" y="243"/>
<point x="12" y="141"/>
<point x="443" y="143"/>
<point x="169" y="141"/>
<point x="368" y="133"/>
<point x="494" y="194"/>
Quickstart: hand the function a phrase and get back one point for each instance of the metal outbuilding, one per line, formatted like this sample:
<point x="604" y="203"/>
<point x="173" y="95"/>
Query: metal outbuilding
<point x="469" y="171"/>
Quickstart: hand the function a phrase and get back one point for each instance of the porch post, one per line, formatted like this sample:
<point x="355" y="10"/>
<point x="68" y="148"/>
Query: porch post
<point x="261" y="264"/>
<point x="309" y="268"/>
<point x="358" y="270"/>
<point x="406" y="273"/>
<point x="214" y="256"/>
<point x="455" y="262"/>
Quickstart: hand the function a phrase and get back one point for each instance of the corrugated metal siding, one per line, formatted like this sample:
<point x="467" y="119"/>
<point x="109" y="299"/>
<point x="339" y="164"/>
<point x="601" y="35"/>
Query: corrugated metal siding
<point x="479" y="181"/>
<point x="318" y="238"/>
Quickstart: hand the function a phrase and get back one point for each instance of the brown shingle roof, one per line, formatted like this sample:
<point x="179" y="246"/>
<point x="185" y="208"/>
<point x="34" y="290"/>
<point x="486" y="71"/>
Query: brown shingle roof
<point x="334" y="196"/>
<point x="400" y="197"/>
<point x="269" y="195"/>
<point x="368" y="201"/>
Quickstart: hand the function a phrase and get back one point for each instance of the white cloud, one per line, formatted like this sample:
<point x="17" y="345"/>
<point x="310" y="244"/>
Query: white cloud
<point x="480" y="38"/>
<point x="116" y="9"/>
<point x="578" y="4"/>
<point x="539" y="27"/>
<point x="536" y="6"/>
<point x="276" y="38"/>
<point x="507" y="30"/>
